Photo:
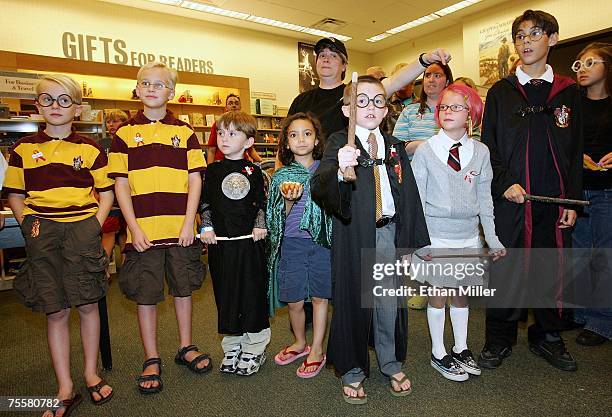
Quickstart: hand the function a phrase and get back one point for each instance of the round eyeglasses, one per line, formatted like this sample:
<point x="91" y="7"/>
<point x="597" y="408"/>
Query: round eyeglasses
<point x="453" y="107"/>
<point x="156" y="86"/>
<point x="379" y="101"/>
<point x="63" y="100"/>
<point x="534" y="36"/>
<point x="586" y="64"/>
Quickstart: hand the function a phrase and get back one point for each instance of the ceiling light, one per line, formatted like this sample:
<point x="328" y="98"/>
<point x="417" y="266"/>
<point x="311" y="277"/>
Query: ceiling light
<point x="170" y="2"/>
<point x="213" y="10"/>
<point x="425" y="19"/>
<point x="378" y="37"/>
<point x="455" y="7"/>
<point x="325" y="34"/>
<point x="194" y="5"/>
<point x="414" y="23"/>
<point x="275" y="23"/>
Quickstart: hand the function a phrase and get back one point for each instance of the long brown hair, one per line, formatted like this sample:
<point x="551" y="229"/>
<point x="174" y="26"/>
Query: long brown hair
<point x="604" y="50"/>
<point x="423" y="97"/>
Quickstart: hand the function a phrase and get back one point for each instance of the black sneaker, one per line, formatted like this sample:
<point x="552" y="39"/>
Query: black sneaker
<point x="555" y="353"/>
<point x="449" y="368"/>
<point x="590" y="338"/>
<point x="466" y="361"/>
<point x="492" y="356"/>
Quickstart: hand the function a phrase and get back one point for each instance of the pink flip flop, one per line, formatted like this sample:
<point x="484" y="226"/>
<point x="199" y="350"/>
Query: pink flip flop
<point x="319" y="364"/>
<point x="294" y="355"/>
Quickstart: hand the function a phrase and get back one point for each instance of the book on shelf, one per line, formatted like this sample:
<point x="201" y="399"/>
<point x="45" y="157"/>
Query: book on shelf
<point x="184" y="118"/>
<point x="264" y="123"/>
<point x="276" y="122"/>
<point x="197" y="119"/>
<point x="206" y="137"/>
<point x="210" y="119"/>
<point x="200" y="136"/>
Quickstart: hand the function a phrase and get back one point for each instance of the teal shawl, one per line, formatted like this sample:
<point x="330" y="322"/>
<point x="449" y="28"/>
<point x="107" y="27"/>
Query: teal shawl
<point x="314" y="220"/>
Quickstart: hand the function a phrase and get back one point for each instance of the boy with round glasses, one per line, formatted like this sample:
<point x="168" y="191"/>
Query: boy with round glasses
<point x="156" y="160"/>
<point x="532" y="126"/>
<point x="380" y="212"/>
<point x="49" y="182"/>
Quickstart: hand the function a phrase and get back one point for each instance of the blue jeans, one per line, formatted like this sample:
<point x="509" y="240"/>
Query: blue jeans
<point x="593" y="229"/>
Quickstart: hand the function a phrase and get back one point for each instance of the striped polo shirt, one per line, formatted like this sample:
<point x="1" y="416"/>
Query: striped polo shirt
<point x="58" y="176"/>
<point x="157" y="158"/>
<point x="411" y="125"/>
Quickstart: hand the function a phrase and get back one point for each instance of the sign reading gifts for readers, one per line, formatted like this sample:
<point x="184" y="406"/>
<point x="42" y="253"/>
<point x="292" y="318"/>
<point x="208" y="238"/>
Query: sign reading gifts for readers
<point x="115" y="51"/>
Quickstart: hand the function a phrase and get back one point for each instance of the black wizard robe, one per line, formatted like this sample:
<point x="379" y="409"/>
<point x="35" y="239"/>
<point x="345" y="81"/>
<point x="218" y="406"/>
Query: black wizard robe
<point x="538" y="146"/>
<point x="354" y="229"/>
<point x="509" y="130"/>
<point x="233" y="203"/>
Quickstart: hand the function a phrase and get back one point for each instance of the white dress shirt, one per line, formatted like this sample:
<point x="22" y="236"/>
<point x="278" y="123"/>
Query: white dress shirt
<point x="441" y="145"/>
<point x="388" y="206"/>
<point x="524" y="78"/>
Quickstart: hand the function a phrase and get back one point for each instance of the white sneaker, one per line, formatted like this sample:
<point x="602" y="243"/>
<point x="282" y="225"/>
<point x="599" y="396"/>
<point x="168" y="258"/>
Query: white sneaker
<point x="249" y="363"/>
<point x="230" y="360"/>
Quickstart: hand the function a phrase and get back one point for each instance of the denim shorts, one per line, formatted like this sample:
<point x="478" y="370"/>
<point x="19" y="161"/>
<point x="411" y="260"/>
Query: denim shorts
<point x="304" y="270"/>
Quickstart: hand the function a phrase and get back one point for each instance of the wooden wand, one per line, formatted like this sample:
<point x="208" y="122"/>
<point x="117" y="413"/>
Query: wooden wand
<point x="349" y="173"/>
<point x="553" y="200"/>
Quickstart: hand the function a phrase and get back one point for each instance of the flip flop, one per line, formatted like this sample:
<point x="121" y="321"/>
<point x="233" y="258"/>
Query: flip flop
<point x="319" y="364"/>
<point x="354" y="400"/>
<point x="294" y="355"/>
<point x="69" y="405"/>
<point x="402" y="392"/>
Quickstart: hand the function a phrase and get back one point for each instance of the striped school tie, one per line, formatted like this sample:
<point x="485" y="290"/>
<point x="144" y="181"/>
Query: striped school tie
<point x="453" y="157"/>
<point x="373" y="151"/>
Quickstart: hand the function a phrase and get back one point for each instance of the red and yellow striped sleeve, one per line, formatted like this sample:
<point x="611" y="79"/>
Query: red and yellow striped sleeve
<point x="195" y="157"/>
<point x="118" y="155"/>
<point x="14" y="182"/>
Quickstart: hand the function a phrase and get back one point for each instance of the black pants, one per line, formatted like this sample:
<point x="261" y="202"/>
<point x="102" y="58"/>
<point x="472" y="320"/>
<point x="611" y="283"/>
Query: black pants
<point x="502" y="323"/>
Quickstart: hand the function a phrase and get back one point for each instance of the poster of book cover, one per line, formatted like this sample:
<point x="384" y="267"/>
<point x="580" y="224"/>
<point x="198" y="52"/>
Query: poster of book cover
<point x="496" y="52"/>
<point x="307" y="67"/>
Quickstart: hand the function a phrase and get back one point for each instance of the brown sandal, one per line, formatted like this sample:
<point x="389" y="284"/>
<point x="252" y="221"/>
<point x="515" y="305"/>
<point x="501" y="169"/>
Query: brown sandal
<point x="97" y="388"/>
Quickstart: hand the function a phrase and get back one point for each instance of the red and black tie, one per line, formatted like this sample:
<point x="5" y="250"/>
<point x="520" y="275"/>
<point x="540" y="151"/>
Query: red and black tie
<point x="453" y="157"/>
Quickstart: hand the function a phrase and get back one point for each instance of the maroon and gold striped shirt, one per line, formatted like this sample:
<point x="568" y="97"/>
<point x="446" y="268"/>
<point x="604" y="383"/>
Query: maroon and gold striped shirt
<point x="157" y="158"/>
<point x="58" y="176"/>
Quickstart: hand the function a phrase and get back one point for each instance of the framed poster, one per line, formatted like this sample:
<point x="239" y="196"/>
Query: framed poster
<point x="495" y="52"/>
<point x="307" y="67"/>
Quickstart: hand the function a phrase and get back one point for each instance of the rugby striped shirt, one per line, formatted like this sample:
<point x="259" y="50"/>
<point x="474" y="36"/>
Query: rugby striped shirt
<point x="411" y="125"/>
<point x="157" y="158"/>
<point x="58" y="176"/>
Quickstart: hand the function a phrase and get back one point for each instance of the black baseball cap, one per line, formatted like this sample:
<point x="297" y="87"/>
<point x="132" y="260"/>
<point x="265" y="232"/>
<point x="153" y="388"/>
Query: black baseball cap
<point x="332" y="44"/>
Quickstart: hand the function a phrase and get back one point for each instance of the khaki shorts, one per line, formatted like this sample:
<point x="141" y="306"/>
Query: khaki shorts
<point x="142" y="276"/>
<point x="65" y="265"/>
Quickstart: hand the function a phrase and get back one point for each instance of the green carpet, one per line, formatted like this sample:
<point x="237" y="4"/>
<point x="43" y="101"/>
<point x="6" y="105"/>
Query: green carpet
<point x="524" y="385"/>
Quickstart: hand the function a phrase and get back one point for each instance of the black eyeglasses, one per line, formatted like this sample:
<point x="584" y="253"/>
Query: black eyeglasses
<point x="586" y="64"/>
<point x="63" y="100"/>
<point x="534" y="36"/>
<point x="379" y="101"/>
<point x="156" y="86"/>
<point x="453" y="107"/>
